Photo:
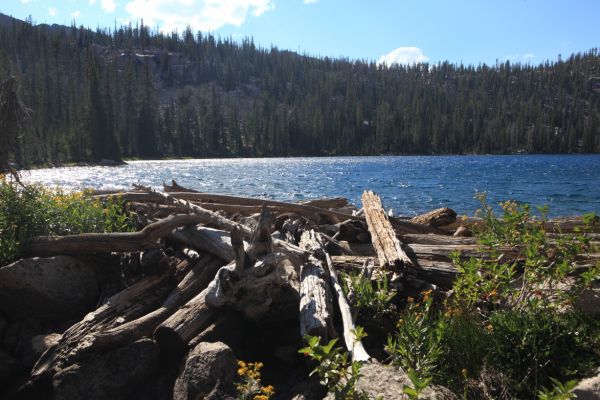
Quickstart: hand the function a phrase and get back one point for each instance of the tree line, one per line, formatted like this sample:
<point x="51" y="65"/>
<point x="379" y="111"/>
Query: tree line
<point x="132" y="92"/>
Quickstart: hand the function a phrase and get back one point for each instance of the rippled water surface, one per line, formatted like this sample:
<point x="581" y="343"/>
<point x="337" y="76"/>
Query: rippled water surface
<point x="569" y="184"/>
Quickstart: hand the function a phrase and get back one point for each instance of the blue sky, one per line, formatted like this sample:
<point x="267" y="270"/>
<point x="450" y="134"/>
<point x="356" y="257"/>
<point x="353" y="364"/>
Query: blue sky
<point x="472" y="32"/>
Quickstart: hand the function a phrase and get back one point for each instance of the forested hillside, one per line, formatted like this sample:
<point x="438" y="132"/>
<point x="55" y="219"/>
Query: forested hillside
<point x="131" y="92"/>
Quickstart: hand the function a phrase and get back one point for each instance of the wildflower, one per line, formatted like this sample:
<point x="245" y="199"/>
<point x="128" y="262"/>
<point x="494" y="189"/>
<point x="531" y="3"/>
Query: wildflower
<point x="427" y="294"/>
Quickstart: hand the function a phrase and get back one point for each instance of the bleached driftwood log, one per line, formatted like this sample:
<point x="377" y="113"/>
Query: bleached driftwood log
<point x="436" y="218"/>
<point x="250" y="290"/>
<point x="90" y="243"/>
<point x="384" y="239"/>
<point x="316" y="308"/>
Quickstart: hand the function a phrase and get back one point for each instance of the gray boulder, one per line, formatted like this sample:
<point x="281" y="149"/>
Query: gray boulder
<point x="387" y="382"/>
<point x="209" y="371"/>
<point x="9" y="367"/>
<point x="112" y="375"/>
<point x="55" y="288"/>
<point x="588" y="389"/>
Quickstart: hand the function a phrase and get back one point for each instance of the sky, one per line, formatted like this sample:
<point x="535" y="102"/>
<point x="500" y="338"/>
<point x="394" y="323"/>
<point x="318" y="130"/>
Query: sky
<point x="386" y="31"/>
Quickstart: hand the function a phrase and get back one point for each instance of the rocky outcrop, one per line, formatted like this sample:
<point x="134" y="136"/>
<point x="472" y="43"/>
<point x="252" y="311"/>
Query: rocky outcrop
<point x="209" y="371"/>
<point x="588" y="389"/>
<point x="112" y="375"/>
<point x="385" y="382"/>
<point x="55" y="288"/>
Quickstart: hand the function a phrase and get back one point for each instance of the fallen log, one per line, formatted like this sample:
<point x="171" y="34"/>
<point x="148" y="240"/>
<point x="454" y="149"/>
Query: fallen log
<point x="80" y="339"/>
<point x="336" y="202"/>
<point x="249" y="290"/>
<point x="211" y="240"/>
<point x="208" y="216"/>
<point x="196" y="280"/>
<point x="384" y="239"/>
<point x="316" y="308"/>
<point x="90" y="243"/>
<point x="436" y="218"/>
<point x="440" y="273"/>
<point x="353" y="344"/>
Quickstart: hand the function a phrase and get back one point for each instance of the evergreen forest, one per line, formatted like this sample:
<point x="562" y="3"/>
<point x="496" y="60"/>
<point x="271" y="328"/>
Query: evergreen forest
<point x="133" y="92"/>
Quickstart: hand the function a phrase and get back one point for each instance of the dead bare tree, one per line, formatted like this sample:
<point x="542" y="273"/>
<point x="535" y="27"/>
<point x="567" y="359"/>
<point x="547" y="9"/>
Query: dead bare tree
<point x="14" y="116"/>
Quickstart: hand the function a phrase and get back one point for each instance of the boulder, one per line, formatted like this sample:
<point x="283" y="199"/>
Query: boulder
<point x="386" y="382"/>
<point x="55" y="288"/>
<point x="589" y="300"/>
<point x="112" y="375"/>
<point x="210" y="369"/>
<point x="8" y="368"/>
<point x="588" y="389"/>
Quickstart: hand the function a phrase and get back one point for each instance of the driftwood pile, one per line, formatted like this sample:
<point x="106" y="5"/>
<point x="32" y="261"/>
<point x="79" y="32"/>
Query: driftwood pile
<point x="255" y="274"/>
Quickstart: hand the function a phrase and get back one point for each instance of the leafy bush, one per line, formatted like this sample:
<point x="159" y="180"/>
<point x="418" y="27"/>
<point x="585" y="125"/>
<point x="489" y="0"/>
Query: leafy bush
<point x="31" y="210"/>
<point x="510" y="315"/>
<point x="371" y="298"/>
<point x="416" y="344"/>
<point x="335" y="371"/>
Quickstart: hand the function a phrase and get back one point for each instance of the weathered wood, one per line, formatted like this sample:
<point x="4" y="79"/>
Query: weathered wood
<point x="354" y="346"/>
<point x="174" y="187"/>
<point x="436" y="218"/>
<point x="311" y="212"/>
<point x="205" y="239"/>
<point x="89" y="243"/>
<point x="336" y="202"/>
<point x="316" y="308"/>
<point x="384" y="239"/>
<point x="250" y="290"/>
<point x="80" y="339"/>
<point x="196" y="280"/>
<point x="440" y="273"/>
<point x="208" y="216"/>
<point x="241" y="259"/>
<point x="440" y="240"/>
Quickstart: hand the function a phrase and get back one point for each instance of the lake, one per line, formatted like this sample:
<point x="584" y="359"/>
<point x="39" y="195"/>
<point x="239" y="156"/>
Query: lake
<point x="568" y="184"/>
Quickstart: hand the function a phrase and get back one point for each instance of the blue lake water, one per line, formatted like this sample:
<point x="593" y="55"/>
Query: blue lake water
<point x="568" y="184"/>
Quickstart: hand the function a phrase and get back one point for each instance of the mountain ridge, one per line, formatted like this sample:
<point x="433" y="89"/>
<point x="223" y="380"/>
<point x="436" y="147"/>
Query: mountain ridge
<point x="137" y="93"/>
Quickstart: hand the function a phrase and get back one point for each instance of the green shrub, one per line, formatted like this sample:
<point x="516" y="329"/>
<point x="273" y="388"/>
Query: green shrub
<point x="416" y="344"/>
<point x="31" y="210"/>
<point x="530" y="347"/>
<point x="334" y="368"/>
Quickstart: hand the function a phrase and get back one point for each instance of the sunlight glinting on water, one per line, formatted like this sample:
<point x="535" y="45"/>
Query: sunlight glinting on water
<point x="409" y="185"/>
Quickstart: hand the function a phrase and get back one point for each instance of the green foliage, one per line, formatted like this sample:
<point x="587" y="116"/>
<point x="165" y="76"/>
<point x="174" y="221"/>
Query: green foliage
<point x="335" y="371"/>
<point x="418" y="385"/>
<point x="509" y="317"/>
<point x="370" y="298"/>
<point x="535" y="276"/>
<point x="559" y="391"/>
<point x="28" y="211"/>
<point x="416" y="344"/>
<point x="532" y="346"/>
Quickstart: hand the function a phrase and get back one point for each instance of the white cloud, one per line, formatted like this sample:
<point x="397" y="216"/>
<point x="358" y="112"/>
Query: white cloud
<point x="25" y="1"/>
<point x="403" y="55"/>
<point x="310" y="1"/>
<point x="516" y="58"/>
<point x="75" y="14"/>
<point x="92" y="2"/>
<point x="52" y="11"/>
<point x="108" y="5"/>
<point x="204" y="15"/>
